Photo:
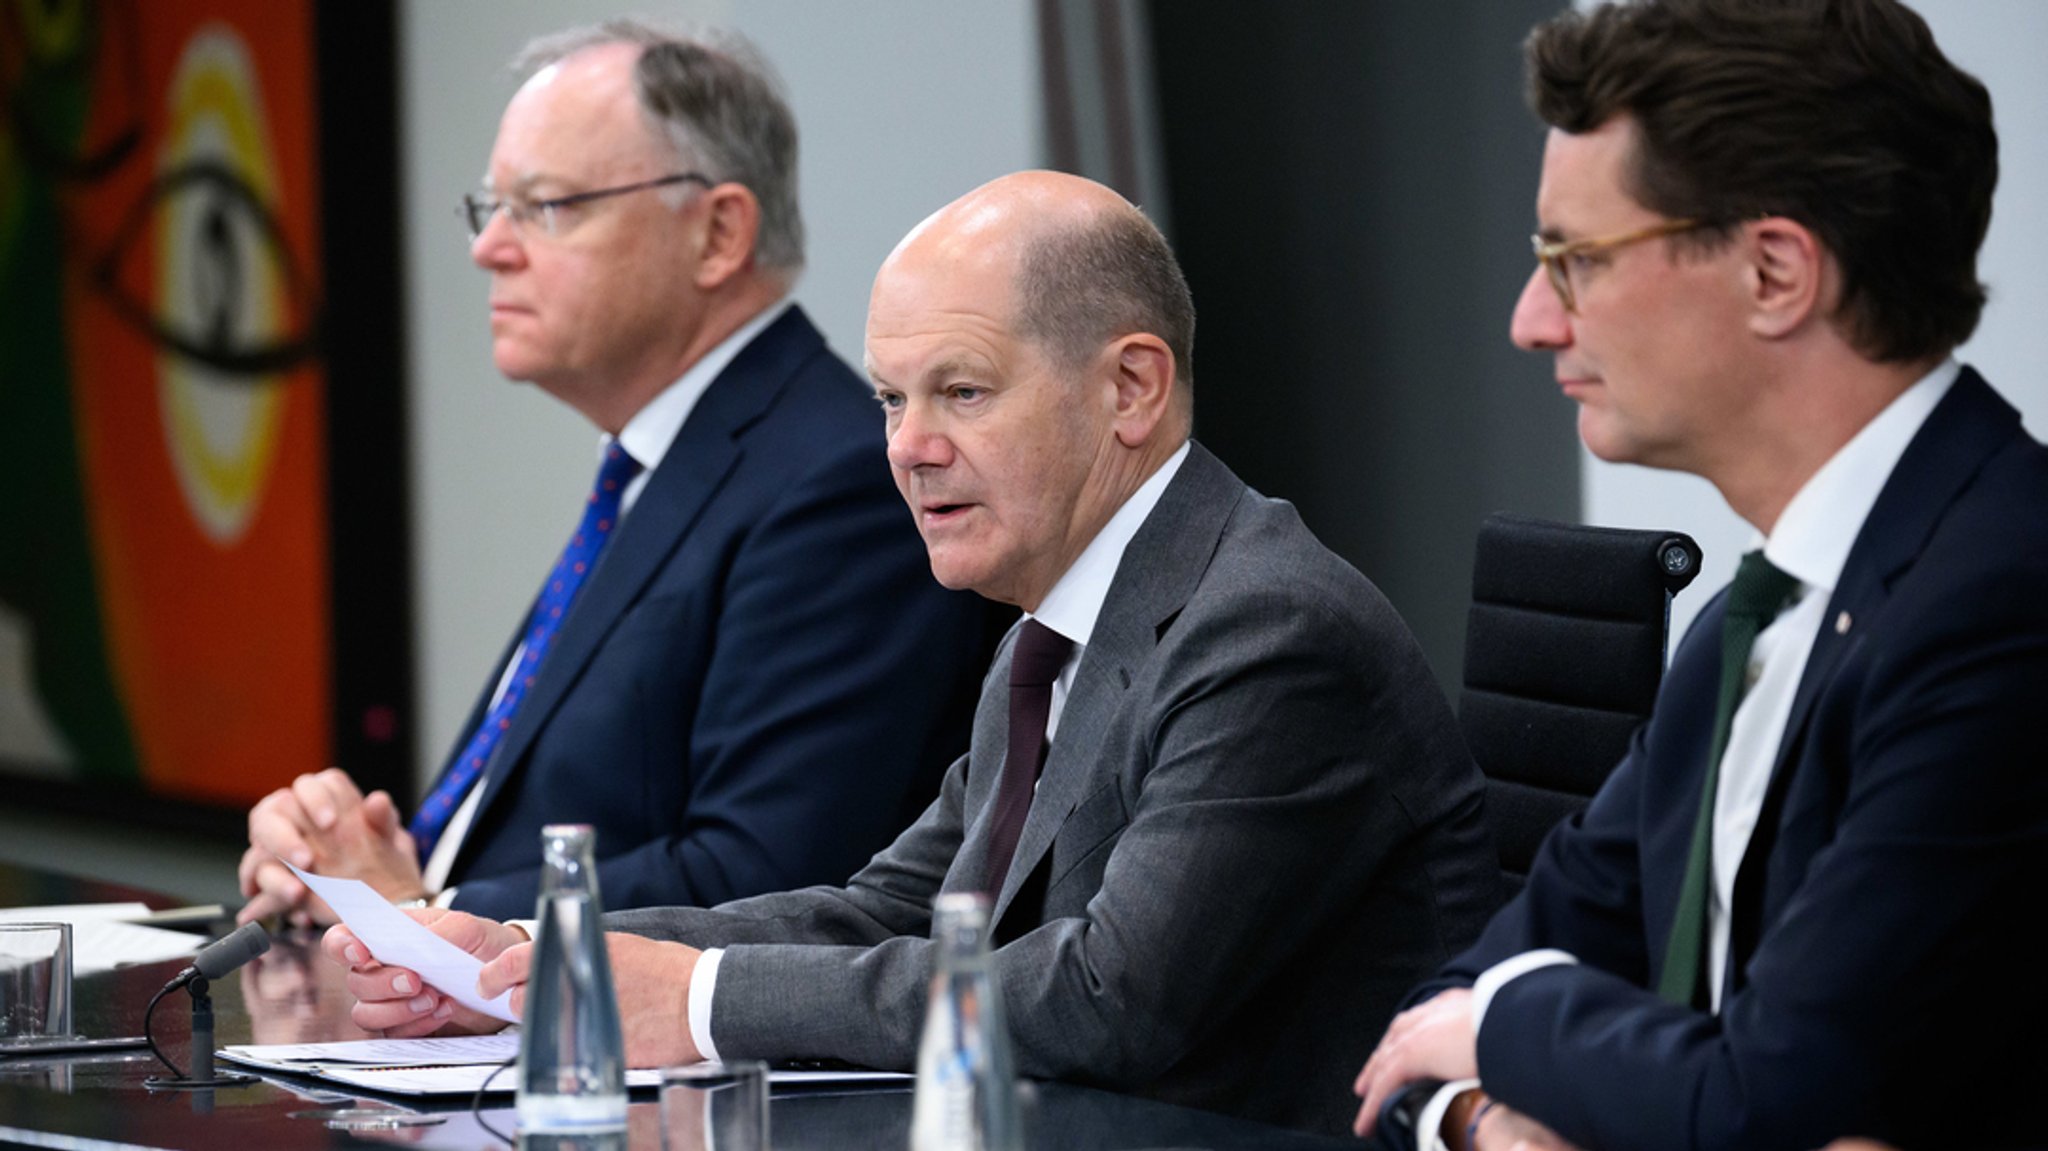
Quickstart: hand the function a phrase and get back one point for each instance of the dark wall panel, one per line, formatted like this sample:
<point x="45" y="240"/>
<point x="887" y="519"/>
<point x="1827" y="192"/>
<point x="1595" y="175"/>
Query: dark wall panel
<point x="1353" y="186"/>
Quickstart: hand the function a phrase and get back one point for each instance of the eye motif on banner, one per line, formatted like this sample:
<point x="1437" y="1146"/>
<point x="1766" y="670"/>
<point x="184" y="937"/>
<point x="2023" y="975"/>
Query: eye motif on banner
<point x="164" y="515"/>
<point x="221" y="285"/>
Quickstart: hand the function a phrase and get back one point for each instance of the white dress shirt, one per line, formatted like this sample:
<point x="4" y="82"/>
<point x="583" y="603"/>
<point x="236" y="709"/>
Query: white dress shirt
<point x="1811" y="542"/>
<point x="646" y="437"/>
<point x="1069" y="609"/>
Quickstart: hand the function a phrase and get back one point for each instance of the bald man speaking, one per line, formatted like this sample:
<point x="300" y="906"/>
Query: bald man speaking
<point x="1245" y="821"/>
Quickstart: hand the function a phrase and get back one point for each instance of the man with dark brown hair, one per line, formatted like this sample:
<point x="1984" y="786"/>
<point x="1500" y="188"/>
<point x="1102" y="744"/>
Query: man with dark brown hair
<point x="1786" y="916"/>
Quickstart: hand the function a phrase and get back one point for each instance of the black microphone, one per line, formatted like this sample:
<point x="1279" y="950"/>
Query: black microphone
<point x="213" y="961"/>
<point x="224" y="955"/>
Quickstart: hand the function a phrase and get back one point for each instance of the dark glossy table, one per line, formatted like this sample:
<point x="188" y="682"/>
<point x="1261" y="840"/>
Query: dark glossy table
<point x="294" y="995"/>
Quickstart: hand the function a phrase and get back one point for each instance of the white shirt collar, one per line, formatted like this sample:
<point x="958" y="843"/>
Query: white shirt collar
<point x="647" y="436"/>
<point x="1074" y="602"/>
<point x="1816" y="530"/>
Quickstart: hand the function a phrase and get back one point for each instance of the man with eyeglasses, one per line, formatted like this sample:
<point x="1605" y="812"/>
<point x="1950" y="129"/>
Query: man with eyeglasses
<point x="1788" y="915"/>
<point x="740" y="671"/>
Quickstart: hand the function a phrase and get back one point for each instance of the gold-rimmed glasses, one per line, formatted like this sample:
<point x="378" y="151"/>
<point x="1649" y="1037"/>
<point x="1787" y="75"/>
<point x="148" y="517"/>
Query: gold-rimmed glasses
<point x="476" y="211"/>
<point x="1555" y="254"/>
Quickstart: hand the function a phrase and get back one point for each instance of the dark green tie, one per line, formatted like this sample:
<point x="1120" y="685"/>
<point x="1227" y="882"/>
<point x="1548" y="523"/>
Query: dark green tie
<point x="1758" y="593"/>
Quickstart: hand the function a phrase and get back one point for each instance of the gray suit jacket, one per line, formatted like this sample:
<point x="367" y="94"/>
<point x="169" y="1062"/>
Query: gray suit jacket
<point x="1256" y="827"/>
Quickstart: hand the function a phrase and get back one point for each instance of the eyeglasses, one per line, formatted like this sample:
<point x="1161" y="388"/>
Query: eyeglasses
<point x="476" y="211"/>
<point x="1554" y="254"/>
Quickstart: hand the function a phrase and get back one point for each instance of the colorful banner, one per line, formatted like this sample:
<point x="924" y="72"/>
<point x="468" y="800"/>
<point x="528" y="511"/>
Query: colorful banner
<point x="164" y="600"/>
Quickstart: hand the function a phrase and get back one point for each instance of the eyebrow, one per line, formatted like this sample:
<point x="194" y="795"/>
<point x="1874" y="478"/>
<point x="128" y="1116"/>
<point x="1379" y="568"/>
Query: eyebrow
<point x="957" y="366"/>
<point x="969" y="366"/>
<point x="525" y="184"/>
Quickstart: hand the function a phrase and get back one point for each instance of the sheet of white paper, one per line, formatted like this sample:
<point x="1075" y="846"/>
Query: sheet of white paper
<point x="389" y="1052"/>
<point x="100" y="941"/>
<point x="459" y="1080"/>
<point x="102" y="945"/>
<point x="393" y="937"/>
<point x="456" y="1065"/>
<point x="72" y="913"/>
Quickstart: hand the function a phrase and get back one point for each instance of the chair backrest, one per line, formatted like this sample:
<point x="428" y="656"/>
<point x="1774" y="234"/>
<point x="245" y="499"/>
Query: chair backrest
<point x="1564" y="650"/>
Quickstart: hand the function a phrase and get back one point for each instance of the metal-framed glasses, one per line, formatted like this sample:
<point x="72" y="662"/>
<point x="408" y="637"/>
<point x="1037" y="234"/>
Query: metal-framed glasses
<point x="549" y="214"/>
<point x="1556" y="255"/>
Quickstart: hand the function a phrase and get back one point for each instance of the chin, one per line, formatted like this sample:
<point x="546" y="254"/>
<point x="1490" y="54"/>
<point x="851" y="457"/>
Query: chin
<point x="952" y="576"/>
<point x="1601" y="440"/>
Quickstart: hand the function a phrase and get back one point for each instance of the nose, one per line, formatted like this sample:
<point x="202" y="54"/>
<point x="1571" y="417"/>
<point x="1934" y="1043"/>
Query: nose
<point x="916" y="440"/>
<point x="1540" y="322"/>
<point x="497" y="247"/>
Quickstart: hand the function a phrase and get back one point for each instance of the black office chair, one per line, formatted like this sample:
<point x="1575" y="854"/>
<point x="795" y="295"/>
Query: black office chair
<point x="1564" y="649"/>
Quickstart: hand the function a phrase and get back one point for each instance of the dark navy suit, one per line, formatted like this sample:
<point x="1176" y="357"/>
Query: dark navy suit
<point x="760" y="683"/>
<point x="1876" y="983"/>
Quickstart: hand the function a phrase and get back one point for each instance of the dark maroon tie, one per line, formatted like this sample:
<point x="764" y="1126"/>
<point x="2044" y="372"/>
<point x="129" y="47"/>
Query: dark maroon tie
<point x="1035" y="662"/>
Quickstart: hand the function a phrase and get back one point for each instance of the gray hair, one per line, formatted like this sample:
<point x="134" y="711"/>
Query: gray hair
<point x="715" y="98"/>
<point x="1080" y="287"/>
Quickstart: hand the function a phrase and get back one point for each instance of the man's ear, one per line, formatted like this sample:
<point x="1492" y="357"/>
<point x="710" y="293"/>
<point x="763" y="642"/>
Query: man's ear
<point x="732" y="221"/>
<point x="1786" y="274"/>
<point x="1145" y="376"/>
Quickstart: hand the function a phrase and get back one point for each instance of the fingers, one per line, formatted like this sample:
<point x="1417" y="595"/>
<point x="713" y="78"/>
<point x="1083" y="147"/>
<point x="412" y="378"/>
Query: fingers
<point x="261" y="907"/>
<point x="509" y="970"/>
<point x="327" y="796"/>
<point x="382" y="814"/>
<point x="245" y="872"/>
<point x="402" y="1016"/>
<point x="279" y="825"/>
<point x="274" y="890"/>
<point x="1379" y="1077"/>
<point x="341" y="945"/>
<point x="1432" y="1040"/>
<point x="484" y="938"/>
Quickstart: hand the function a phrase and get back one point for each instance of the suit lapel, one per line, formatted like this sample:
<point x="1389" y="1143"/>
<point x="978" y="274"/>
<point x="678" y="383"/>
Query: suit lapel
<point x="1962" y="432"/>
<point x="1944" y="456"/>
<point x="1159" y="571"/>
<point x="698" y="461"/>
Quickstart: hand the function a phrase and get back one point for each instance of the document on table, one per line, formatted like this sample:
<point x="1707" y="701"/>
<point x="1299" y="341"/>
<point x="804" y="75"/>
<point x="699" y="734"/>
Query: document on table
<point x="101" y="940"/>
<point x="456" y="1065"/>
<point x="396" y="939"/>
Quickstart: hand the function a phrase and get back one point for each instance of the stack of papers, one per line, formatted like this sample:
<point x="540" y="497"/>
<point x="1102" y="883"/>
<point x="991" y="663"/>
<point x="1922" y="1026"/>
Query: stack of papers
<point x="101" y="937"/>
<point x="442" y="1066"/>
<point x="453" y="1066"/>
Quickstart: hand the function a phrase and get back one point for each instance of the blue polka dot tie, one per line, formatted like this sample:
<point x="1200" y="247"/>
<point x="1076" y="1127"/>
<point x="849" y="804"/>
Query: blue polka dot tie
<point x="600" y="515"/>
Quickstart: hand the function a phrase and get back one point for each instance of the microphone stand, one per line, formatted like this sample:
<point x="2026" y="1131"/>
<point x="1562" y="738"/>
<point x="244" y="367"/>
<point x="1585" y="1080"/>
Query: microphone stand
<point x="203" y="1075"/>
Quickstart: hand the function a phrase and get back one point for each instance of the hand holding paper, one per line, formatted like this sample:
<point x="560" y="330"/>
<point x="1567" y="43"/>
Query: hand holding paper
<point x="396" y="941"/>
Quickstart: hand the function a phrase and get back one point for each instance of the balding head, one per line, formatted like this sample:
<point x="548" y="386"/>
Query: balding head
<point x="1085" y="264"/>
<point x="1023" y="343"/>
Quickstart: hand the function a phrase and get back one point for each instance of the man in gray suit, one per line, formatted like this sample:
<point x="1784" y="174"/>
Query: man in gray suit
<point x="1256" y="822"/>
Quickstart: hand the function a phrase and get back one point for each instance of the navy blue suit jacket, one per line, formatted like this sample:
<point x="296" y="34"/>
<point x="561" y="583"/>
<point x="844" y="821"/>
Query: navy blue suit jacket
<point x="1873" y="974"/>
<point x="760" y="683"/>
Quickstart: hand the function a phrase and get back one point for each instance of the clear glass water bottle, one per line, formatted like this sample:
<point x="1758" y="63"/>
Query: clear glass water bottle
<point x="966" y="1094"/>
<point x="572" y="1053"/>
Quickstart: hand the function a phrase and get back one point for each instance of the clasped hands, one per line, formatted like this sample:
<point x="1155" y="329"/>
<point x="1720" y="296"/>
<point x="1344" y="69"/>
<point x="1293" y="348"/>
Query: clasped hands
<point x="651" y="979"/>
<point x="1437" y="1040"/>
<point x="325" y="824"/>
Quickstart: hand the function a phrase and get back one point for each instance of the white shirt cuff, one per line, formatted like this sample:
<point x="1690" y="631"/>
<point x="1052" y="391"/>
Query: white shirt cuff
<point x="1496" y="977"/>
<point x="703" y="983"/>
<point x="443" y="898"/>
<point x="1429" y="1126"/>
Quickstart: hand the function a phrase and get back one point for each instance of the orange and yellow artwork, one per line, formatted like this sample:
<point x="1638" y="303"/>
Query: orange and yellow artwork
<point x="164" y="599"/>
